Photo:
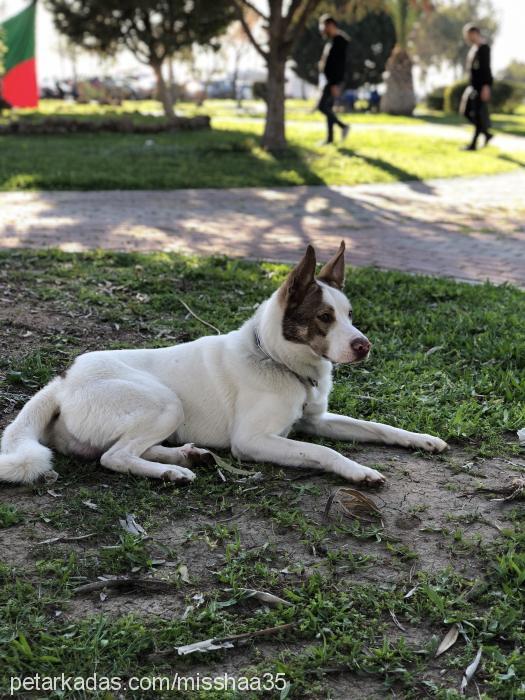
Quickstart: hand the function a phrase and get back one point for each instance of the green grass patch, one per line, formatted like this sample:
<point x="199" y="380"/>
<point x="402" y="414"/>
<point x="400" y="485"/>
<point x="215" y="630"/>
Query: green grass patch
<point x="230" y="155"/>
<point x="9" y="515"/>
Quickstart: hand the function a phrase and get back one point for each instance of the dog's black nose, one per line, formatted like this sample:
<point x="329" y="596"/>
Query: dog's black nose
<point x="361" y="346"/>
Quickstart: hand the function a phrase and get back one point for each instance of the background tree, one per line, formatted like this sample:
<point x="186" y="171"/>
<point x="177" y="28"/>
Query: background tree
<point x="399" y="97"/>
<point x="238" y="46"/>
<point x="153" y="30"/>
<point x="437" y="40"/>
<point x="283" y="21"/>
<point x="372" y="38"/>
<point x="515" y="71"/>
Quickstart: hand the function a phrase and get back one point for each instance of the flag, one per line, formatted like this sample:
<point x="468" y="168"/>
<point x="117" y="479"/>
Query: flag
<point x="19" y="87"/>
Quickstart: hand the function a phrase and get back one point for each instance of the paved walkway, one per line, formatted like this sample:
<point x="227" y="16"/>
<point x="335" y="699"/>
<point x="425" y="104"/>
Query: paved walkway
<point x="467" y="228"/>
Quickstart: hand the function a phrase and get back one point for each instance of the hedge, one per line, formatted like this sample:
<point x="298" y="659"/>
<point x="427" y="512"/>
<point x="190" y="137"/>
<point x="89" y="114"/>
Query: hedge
<point x="506" y="95"/>
<point x="436" y="99"/>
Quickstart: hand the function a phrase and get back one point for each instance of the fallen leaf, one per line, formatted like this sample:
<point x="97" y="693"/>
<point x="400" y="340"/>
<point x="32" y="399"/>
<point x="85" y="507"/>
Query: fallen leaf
<point x="224" y="465"/>
<point x="265" y="597"/>
<point x="352" y="504"/>
<point x="183" y="573"/>
<point x="90" y="504"/>
<point x="411" y="592"/>
<point x="515" y="490"/>
<point x="469" y="672"/>
<point x="448" y="640"/>
<point x="132" y="526"/>
<point x="206" y="645"/>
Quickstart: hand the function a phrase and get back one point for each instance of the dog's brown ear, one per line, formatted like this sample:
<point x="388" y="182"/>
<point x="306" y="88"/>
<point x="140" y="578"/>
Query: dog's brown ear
<point x="300" y="278"/>
<point x="333" y="273"/>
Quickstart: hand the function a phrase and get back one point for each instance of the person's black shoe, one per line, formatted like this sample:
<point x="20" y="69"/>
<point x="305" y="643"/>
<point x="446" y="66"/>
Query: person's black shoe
<point x="488" y="138"/>
<point x="470" y="147"/>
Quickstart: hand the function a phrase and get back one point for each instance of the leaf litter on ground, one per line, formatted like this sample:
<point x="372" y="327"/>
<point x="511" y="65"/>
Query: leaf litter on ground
<point x="352" y="504"/>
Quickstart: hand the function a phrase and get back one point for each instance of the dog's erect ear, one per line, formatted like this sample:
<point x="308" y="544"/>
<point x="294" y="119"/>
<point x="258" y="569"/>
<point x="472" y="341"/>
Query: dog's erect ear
<point x="333" y="273"/>
<point x="301" y="277"/>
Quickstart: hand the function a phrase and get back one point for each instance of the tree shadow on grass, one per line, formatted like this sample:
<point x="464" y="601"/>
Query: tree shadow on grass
<point x="510" y="159"/>
<point x="509" y="124"/>
<point x="400" y="174"/>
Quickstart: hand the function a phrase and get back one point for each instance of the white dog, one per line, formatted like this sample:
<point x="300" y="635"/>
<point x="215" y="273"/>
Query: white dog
<point x="245" y="391"/>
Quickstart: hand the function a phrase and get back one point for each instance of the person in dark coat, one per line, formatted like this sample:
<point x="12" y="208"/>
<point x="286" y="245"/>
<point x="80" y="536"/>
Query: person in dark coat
<point x="333" y="66"/>
<point x="475" y="100"/>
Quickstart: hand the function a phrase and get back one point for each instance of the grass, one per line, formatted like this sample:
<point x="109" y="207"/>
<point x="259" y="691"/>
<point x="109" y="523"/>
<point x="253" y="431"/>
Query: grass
<point x="304" y="111"/>
<point x="230" y="155"/>
<point x="343" y="580"/>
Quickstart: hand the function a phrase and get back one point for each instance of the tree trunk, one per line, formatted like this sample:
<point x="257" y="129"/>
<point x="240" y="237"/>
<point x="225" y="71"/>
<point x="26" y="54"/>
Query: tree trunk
<point x="274" y="138"/>
<point x="171" y="79"/>
<point x="164" y="93"/>
<point x="399" y="97"/>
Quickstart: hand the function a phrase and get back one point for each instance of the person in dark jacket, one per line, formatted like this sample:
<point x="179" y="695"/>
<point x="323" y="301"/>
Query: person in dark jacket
<point x="333" y="66"/>
<point x="475" y="100"/>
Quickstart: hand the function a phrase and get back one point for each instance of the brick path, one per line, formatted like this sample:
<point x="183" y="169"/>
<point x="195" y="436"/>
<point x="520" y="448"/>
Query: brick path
<point x="467" y="228"/>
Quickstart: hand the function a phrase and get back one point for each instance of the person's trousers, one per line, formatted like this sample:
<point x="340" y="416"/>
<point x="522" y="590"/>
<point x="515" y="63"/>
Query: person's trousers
<point x="326" y="107"/>
<point x="476" y="111"/>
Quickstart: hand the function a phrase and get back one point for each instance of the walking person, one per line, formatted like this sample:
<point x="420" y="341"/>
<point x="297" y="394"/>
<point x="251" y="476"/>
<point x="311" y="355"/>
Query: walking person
<point x="475" y="100"/>
<point x="333" y="66"/>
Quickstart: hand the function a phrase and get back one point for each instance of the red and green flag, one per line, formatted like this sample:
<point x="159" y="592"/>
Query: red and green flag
<point x="19" y="86"/>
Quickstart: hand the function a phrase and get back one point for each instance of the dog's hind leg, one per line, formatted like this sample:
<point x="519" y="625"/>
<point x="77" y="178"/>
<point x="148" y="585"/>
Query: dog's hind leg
<point x="138" y="445"/>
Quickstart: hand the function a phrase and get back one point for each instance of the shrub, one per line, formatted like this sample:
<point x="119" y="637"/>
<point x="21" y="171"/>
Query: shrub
<point x="506" y="95"/>
<point x="436" y="99"/>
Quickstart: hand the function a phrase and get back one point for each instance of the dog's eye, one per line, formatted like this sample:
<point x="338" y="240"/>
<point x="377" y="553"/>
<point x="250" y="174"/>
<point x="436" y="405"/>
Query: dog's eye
<point x="325" y="318"/>
<point x="350" y="314"/>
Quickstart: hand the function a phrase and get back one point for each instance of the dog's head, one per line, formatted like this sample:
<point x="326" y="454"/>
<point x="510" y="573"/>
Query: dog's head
<point x="317" y="312"/>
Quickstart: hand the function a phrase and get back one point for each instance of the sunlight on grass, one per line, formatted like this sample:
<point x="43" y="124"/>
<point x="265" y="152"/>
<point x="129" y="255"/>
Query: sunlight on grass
<point x="230" y="155"/>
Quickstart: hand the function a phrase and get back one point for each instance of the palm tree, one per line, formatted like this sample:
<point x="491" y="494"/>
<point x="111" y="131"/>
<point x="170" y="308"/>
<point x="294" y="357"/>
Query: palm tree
<point x="399" y="97"/>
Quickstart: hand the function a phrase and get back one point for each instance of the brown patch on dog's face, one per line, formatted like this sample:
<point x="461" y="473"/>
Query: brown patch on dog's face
<point x="299" y="280"/>
<point x="309" y="321"/>
<point x="307" y="317"/>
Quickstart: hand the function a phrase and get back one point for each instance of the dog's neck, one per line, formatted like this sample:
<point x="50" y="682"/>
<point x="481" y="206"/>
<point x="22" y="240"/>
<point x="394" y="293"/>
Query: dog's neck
<point x="297" y="358"/>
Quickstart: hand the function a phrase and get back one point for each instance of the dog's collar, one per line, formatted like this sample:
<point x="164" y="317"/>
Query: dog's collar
<point x="304" y="380"/>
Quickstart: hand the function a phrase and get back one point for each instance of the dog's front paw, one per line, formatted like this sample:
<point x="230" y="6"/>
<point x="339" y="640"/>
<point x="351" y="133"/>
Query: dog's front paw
<point x="359" y="474"/>
<point x="429" y="443"/>
<point x="181" y="474"/>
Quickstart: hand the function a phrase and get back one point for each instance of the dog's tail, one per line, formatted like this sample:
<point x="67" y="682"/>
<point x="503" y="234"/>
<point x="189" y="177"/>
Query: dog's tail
<point x="22" y="457"/>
